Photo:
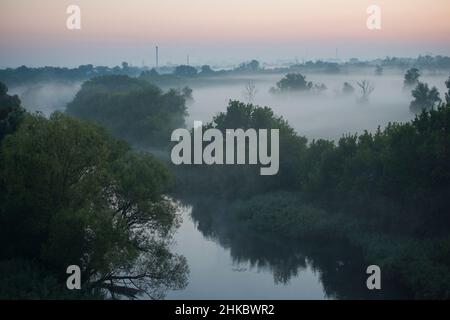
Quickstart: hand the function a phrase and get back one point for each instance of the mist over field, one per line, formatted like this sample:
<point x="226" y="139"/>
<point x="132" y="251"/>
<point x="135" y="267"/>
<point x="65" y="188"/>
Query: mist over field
<point x="328" y="114"/>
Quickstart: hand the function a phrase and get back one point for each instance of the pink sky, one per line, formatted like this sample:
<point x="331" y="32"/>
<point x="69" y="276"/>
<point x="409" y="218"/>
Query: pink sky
<point x="34" y="32"/>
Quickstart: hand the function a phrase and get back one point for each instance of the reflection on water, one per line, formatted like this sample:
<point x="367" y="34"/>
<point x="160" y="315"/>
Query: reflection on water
<point x="228" y="263"/>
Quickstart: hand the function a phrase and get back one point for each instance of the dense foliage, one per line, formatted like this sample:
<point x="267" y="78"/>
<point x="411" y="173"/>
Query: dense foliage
<point x="233" y="180"/>
<point x="11" y="113"/>
<point x="411" y="78"/>
<point x="293" y="82"/>
<point x="424" y="97"/>
<point x="131" y="109"/>
<point x="386" y="192"/>
<point x="73" y="195"/>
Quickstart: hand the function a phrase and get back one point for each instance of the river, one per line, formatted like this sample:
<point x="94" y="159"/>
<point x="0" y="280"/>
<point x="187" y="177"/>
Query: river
<point x="235" y="265"/>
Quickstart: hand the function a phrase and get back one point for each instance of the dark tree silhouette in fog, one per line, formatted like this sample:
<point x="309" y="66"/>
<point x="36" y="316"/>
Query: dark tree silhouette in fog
<point x="347" y="89"/>
<point x="250" y="91"/>
<point x="424" y="97"/>
<point x="366" y="90"/>
<point x="411" y="78"/>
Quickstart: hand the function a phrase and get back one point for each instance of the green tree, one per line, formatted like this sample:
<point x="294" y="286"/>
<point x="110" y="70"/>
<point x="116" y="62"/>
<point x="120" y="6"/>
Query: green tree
<point x="245" y="180"/>
<point x="74" y="195"/>
<point x="424" y="97"/>
<point x="411" y="78"/>
<point x="131" y="109"/>
<point x="11" y="113"/>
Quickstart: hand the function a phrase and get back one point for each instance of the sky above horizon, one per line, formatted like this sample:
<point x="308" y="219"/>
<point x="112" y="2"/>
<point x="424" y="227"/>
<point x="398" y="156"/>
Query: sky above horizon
<point x="34" y="33"/>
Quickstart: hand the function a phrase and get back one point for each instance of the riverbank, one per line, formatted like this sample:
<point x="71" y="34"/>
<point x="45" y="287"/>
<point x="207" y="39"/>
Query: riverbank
<point x="416" y="264"/>
<point x="237" y="257"/>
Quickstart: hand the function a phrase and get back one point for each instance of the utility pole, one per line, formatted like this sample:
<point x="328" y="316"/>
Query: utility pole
<point x="157" y="58"/>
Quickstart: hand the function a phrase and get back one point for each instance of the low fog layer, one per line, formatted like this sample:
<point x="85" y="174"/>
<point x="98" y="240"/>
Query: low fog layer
<point x="328" y="114"/>
<point x="46" y="97"/>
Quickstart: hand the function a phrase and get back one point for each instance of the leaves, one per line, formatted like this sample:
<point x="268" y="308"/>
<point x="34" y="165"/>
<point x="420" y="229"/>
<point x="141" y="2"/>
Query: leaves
<point x="74" y="195"/>
<point x="131" y="109"/>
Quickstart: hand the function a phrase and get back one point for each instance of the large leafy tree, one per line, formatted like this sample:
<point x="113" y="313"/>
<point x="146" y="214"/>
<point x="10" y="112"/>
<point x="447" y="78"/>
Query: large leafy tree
<point x="293" y="82"/>
<point x="131" y="109"/>
<point x="424" y="97"/>
<point x="244" y="180"/>
<point x="74" y="195"/>
<point x="411" y="78"/>
<point x="447" y="94"/>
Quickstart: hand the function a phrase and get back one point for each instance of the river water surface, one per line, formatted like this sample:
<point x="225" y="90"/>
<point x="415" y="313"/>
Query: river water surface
<point x="214" y="274"/>
<point x="242" y="266"/>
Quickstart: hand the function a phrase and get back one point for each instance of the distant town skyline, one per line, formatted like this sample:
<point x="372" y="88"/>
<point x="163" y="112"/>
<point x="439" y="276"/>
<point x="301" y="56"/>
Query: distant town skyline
<point x="217" y="32"/>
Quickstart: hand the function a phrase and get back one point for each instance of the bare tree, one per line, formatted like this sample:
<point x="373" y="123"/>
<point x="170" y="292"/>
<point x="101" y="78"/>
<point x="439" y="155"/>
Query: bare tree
<point x="366" y="89"/>
<point x="250" y="91"/>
